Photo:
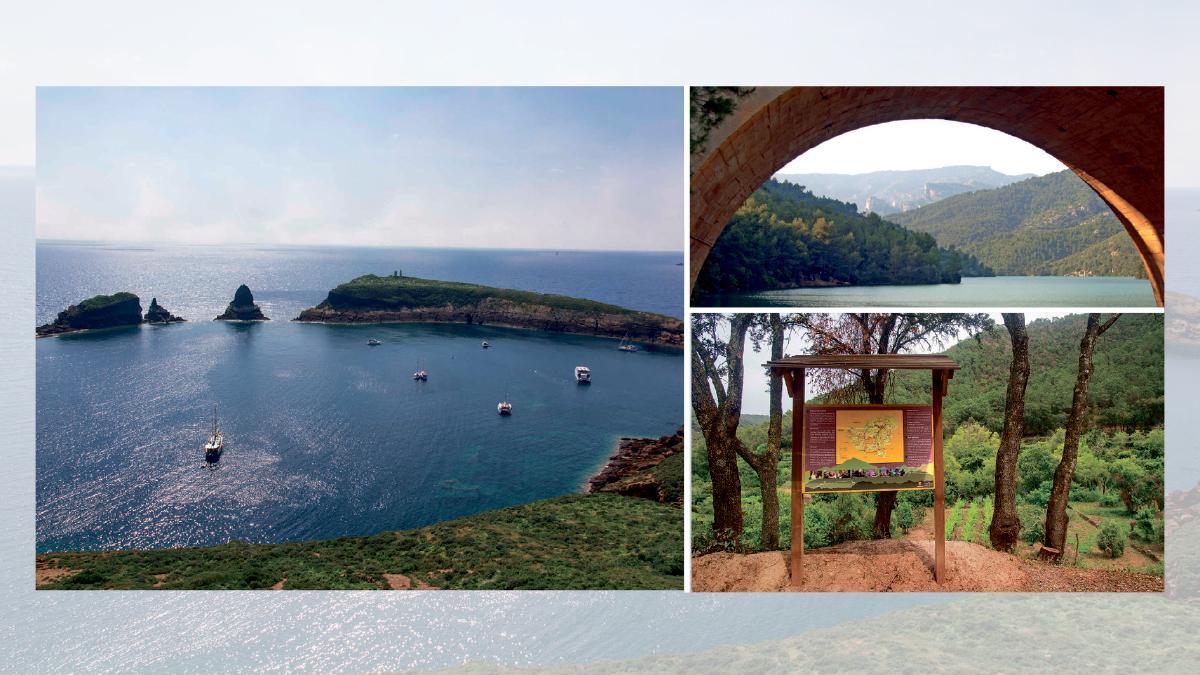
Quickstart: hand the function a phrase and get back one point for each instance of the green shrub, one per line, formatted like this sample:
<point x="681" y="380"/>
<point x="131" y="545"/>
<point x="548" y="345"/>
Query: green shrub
<point x="1079" y="494"/>
<point x="1111" y="540"/>
<point x="1041" y="495"/>
<point x="816" y="526"/>
<point x="1147" y="526"/>
<point x="1033" y="523"/>
<point x="1111" y="500"/>
<point x="904" y="516"/>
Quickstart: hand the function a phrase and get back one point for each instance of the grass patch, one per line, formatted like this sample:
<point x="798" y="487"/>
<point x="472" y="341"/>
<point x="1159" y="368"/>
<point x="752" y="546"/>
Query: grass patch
<point x="597" y="541"/>
<point x="103" y="301"/>
<point x="669" y="474"/>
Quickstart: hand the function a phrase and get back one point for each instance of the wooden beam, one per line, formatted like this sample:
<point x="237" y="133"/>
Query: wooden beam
<point x="797" y="568"/>
<point x="787" y="379"/>
<point x="939" y="386"/>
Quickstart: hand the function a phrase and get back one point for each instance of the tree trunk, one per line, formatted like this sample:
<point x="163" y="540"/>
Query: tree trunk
<point x="770" y="506"/>
<point x="1006" y="526"/>
<point x="768" y="477"/>
<point x="718" y="420"/>
<point x="1054" y="541"/>
<point x="726" y="488"/>
<point x="885" y="502"/>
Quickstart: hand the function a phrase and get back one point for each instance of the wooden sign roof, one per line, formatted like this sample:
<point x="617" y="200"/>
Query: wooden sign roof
<point x="861" y="361"/>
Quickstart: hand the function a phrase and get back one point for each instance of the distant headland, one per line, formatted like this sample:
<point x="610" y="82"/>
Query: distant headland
<point x="400" y="299"/>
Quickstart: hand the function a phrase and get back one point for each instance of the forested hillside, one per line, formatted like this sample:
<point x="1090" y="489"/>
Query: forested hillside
<point x="1126" y="389"/>
<point x="1053" y="224"/>
<point x="785" y="237"/>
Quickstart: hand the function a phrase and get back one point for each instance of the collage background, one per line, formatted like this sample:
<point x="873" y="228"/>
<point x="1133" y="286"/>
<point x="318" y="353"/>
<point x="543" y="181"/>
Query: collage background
<point x="546" y="43"/>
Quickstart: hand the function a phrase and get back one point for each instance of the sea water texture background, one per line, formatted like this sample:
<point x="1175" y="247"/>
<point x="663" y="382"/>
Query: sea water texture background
<point x="353" y="631"/>
<point x="326" y="436"/>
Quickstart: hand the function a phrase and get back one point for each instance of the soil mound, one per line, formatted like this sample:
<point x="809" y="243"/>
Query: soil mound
<point x="897" y="565"/>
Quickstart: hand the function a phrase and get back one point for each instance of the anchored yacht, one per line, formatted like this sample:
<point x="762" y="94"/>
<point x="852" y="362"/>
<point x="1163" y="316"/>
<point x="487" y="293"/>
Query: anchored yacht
<point x="216" y="441"/>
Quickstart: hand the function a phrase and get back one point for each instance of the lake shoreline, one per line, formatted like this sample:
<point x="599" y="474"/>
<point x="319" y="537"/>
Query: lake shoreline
<point x="997" y="291"/>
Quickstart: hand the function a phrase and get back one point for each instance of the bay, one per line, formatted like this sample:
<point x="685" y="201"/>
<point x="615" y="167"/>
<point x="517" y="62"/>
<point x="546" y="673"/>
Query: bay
<point x="325" y="436"/>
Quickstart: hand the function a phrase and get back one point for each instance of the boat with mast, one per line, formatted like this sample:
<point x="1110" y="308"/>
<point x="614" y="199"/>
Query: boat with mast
<point x="626" y="345"/>
<point x="504" y="407"/>
<point x="216" y="441"/>
<point x="421" y="374"/>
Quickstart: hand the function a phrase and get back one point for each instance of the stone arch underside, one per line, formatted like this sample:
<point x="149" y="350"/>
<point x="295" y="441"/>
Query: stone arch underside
<point x="1111" y="137"/>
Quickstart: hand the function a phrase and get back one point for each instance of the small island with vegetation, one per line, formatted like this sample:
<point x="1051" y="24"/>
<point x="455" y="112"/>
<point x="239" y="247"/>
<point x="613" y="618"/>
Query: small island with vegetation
<point x="400" y="299"/>
<point x="106" y="311"/>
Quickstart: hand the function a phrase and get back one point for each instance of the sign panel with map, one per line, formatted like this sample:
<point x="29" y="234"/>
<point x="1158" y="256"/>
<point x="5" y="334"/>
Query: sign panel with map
<point x="867" y="448"/>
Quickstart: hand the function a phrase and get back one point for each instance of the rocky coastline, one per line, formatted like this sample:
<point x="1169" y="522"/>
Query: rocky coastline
<point x="242" y="307"/>
<point x="157" y="314"/>
<point x="398" y="299"/>
<point x="106" y="311"/>
<point x="631" y="470"/>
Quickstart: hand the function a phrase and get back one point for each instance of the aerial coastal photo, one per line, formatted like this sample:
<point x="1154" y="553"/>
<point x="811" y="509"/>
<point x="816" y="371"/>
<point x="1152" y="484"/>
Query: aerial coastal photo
<point x="927" y="197"/>
<point x="359" y="338"/>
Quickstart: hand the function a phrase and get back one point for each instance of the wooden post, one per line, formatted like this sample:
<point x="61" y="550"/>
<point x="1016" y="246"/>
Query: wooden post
<point x="939" y="481"/>
<point x="797" y="391"/>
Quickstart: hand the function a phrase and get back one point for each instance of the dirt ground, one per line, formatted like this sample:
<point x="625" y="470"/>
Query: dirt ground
<point x="48" y="574"/>
<point x="905" y="565"/>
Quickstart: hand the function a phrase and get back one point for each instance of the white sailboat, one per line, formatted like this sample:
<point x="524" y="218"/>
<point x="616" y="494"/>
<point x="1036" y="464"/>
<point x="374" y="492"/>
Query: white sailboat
<point x="421" y="374"/>
<point x="626" y="345"/>
<point x="504" y="407"/>
<point x="216" y="441"/>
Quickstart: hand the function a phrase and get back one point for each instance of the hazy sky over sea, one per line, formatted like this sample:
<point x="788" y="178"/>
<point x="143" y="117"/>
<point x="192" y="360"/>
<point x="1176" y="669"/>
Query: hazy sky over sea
<point x="585" y="168"/>
<point x="924" y="144"/>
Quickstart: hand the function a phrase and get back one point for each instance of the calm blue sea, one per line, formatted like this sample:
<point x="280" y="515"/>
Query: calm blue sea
<point x="977" y="292"/>
<point x="325" y="436"/>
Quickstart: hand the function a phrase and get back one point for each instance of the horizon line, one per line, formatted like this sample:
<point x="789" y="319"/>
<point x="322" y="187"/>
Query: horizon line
<point x="38" y="239"/>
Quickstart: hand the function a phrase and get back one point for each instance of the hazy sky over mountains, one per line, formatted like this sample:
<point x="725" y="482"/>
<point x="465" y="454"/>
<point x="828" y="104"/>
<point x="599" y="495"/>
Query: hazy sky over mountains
<point x="588" y="168"/>
<point x="924" y="144"/>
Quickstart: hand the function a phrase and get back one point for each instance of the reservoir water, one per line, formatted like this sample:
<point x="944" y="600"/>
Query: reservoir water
<point x="325" y="436"/>
<point x="976" y="292"/>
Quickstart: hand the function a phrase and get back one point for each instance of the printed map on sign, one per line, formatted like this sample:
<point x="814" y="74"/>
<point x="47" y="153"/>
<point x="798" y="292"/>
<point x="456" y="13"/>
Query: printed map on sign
<point x="870" y="435"/>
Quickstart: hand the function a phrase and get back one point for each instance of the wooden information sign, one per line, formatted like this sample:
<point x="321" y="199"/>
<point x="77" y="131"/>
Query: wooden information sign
<point x="875" y="448"/>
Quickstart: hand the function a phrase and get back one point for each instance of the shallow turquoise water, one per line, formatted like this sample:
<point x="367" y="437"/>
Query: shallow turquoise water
<point x="978" y="292"/>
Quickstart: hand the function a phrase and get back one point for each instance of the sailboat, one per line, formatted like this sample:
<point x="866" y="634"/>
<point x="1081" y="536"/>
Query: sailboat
<point x="421" y="374"/>
<point x="626" y="345"/>
<point x="504" y="407"/>
<point x="216" y="441"/>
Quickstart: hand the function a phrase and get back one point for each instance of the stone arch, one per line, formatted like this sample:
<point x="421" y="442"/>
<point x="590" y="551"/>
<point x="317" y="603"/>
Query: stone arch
<point x="1111" y="137"/>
